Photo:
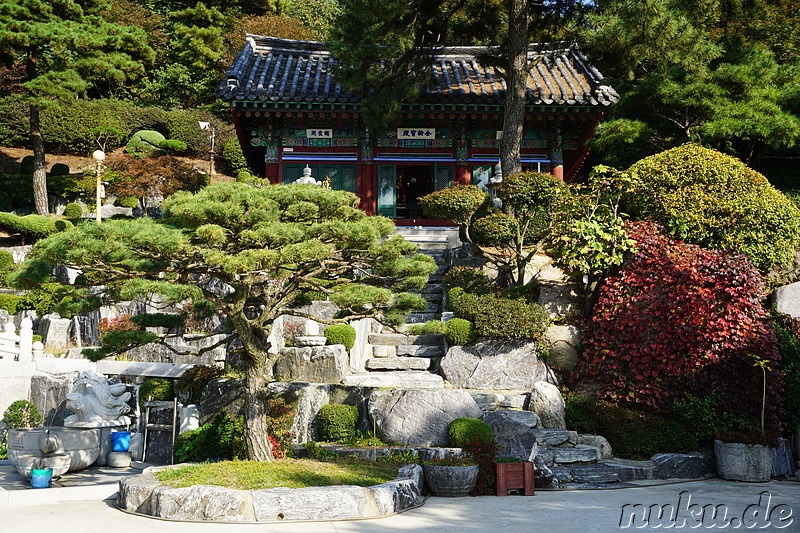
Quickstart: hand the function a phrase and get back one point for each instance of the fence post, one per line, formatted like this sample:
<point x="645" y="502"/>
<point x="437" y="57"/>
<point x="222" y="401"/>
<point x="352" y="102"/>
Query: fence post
<point x="25" y="340"/>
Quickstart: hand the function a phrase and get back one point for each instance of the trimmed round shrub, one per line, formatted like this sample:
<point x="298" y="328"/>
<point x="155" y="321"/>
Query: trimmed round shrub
<point x="337" y="422"/>
<point x="144" y="142"/>
<point x="59" y="169"/>
<point x="715" y="200"/>
<point x="472" y="280"/>
<point x="460" y="332"/>
<point x="6" y="260"/>
<point x="127" y="201"/>
<point x="457" y="203"/>
<point x="73" y="210"/>
<point x="343" y="334"/>
<point x="172" y="146"/>
<point x="463" y="430"/>
<point x="35" y="226"/>
<point x="156" y="389"/>
<point x="678" y="319"/>
<point x="496" y="229"/>
<point x="22" y="414"/>
<point x="190" y="385"/>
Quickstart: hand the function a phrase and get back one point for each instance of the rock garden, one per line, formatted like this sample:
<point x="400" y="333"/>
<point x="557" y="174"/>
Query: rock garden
<point x="556" y="346"/>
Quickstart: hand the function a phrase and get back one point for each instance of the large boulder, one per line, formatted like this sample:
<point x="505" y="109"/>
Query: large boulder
<point x="547" y="402"/>
<point x="315" y="364"/>
<point x="560" y="299"/>
<point x="419" y="417"/>
<point x="219" y="394"/>
<point x="683" y="466"/>
<point x="787" y="299"/>
<point x="494" y="364"/>
<point x="562" y="340"/>
<point x="54" y="331"/>
<point x="49" y="394"/>
<point x="513" y="432"/>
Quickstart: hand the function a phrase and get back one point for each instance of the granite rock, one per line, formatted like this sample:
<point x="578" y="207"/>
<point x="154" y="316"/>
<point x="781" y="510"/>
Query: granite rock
<point x="547" y="402"/>
<point x="493" y="364"/>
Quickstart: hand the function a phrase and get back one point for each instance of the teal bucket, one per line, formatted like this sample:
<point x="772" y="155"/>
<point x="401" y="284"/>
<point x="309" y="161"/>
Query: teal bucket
<point x="120" y="441"/>
<point x="41" y="478"/>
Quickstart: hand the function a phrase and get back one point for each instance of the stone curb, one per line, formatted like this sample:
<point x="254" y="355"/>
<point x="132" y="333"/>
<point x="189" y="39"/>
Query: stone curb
<point x="144" y="494"/>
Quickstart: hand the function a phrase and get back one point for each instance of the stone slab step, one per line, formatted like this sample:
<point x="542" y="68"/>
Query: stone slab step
<point x="387" y="339"/>
<point x="421" y="318"/>
<point x="552" y="437"/>
<point x="398" y="363"/>
<point x="420" y="351"/>
<point x="598" y="473"/>
<point x="409" y="379"/>
<point x="631" y="470"/>
<point x="579" y="454"/>
<point x="398" y="339"/>
<point x="433" y="288"/>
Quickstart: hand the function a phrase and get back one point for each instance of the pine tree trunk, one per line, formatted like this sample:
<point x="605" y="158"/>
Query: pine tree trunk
<point x="257" y="363"/>
<point x="516" y="78"/>
<point x="39" y="175"/>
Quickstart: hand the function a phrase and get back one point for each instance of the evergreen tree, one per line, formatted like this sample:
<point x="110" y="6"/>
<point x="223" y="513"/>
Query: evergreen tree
<point x="67" y="49"/>
<point x="248" y="253"/>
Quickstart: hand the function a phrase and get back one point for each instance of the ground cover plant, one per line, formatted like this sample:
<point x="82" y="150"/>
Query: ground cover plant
<point x="291" y="473"/>
<point x="680" y="319"/>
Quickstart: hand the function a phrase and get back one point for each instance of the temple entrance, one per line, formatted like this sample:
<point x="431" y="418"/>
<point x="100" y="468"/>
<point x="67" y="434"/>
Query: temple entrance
<point x="413" y="182"/>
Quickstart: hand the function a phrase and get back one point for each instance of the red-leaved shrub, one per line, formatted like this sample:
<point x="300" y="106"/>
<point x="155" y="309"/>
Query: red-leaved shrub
<point x="680" y="319"/>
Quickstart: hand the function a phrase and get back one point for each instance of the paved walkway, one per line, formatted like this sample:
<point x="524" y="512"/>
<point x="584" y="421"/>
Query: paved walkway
<point x="773" y="506"/>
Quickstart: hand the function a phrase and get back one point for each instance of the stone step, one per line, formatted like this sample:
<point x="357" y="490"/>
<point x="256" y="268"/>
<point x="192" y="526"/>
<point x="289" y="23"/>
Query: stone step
<point x="387" y="339"/>
<point x="398" y="339"/>
<point x="420" y="351"/>
<point x="598" y="473"/>
<point x="398" y="363"/>
<point x="560" y="455"/>
<point x="422" y="317"/>
<point x="433" y="288"/>
<point x="409" y="379"/>
<point x="554" y="437"/>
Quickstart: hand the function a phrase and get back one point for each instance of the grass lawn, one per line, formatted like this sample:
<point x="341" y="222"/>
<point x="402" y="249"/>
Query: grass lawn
<point x="292" y="473"/>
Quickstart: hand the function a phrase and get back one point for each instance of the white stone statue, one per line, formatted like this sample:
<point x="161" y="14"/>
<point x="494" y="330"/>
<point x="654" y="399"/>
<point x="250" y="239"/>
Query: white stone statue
<point x="96" y="403"/>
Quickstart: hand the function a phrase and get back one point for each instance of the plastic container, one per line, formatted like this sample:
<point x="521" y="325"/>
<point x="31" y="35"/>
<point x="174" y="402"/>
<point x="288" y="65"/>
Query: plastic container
<point x="120" y="441"/>
<point x="41" y="478"/>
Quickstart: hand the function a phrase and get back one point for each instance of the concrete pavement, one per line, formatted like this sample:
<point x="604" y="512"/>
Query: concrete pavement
<point x="773" y="506"/>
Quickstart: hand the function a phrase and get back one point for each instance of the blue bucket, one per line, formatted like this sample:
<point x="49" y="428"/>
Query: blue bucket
<point x="41" y="478"/>
<point x="120" y="441"/>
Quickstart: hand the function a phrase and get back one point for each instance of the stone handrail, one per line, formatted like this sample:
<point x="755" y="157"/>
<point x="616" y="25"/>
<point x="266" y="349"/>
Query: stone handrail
<point x="20" y="347"/>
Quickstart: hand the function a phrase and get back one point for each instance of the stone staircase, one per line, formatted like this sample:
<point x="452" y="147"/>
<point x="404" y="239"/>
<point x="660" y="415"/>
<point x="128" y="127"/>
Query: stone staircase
<point x="581" y="461"/>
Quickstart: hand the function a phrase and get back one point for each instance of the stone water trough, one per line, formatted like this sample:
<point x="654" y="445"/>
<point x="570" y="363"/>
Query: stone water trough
<point x="144" y="494"/>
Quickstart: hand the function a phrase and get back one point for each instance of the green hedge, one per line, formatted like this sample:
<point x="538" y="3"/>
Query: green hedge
<point x="472" y="280"/>
<point x="22" y="414"/>
<point x="463" y="430"/>
<point x="156" y="389"/>
<point x="495" y="316"/>
<point x="344" y="334"/>
<point x="35" y="226"/>
<point x="337" y="422"/>
<point x="222" y="438"/>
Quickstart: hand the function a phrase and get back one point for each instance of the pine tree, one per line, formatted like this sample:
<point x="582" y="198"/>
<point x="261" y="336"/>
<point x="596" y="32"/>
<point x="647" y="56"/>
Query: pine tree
<point x="67" y="50"/>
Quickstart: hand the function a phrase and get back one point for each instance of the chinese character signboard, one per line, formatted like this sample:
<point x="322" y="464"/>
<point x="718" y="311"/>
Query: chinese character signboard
<point x="319" y="134"/>
<point x="416" y="133"/>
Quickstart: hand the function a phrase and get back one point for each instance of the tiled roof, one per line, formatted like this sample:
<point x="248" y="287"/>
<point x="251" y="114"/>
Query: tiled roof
<point x="281" y="70"/>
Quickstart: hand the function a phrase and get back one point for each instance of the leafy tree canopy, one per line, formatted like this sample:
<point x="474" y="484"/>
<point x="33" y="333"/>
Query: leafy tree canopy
<point x="250" y="253"/>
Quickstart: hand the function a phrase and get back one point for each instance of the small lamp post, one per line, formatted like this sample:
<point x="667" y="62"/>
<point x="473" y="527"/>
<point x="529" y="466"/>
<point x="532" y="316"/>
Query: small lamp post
<point x="206" y="126"/>
<point x="99" y="156"/>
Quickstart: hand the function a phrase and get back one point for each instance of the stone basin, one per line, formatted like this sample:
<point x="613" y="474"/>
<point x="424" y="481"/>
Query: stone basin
<point x="75" y="448"/>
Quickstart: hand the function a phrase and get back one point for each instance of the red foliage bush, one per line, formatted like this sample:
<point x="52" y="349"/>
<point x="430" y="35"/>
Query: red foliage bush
<point x="129" y="176"/>
<point x="680" y="319"/>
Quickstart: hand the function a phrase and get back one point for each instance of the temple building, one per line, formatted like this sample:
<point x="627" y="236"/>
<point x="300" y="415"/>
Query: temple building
<point x="290" y="113"/>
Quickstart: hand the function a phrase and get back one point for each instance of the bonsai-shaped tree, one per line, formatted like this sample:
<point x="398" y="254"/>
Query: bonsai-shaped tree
<point x="248" y="253"/>
<point x="508" y="238"/>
